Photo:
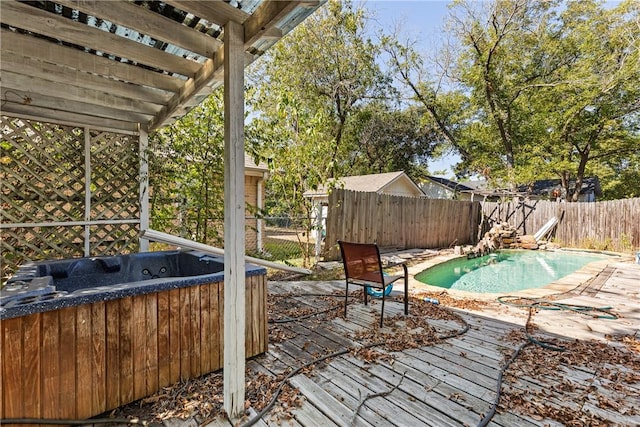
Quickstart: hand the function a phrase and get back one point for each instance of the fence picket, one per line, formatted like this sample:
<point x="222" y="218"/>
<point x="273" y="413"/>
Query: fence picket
<point x="612" y="225"/>
<point x="396" y="221"/>
<point x="401" y="222"/>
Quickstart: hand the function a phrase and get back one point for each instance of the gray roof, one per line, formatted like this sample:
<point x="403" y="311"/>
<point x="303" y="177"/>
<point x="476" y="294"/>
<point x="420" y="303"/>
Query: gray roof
<point x="544" y="186"/>
<point x="250" y="164"/>
<point x="467" y="186"/>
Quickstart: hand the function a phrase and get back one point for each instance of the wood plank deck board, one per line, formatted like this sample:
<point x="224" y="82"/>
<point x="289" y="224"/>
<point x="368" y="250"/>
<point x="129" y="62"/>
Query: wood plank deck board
<point x="351" y="393"/>
<point x="377" y="410"/>
<point x="413" y="399"/>
<point x="310" y="416"/>
<point x="449" y="383"/>
<point x="327" y="404"/>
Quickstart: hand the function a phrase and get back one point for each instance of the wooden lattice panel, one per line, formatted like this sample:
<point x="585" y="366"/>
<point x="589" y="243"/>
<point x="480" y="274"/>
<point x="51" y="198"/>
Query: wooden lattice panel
<point x="19" y="245"/>
<point x="113" y="239"/>
<point x="114" y="176"/>
<point x="42" y="172"/>
<point x="42" y="181"/>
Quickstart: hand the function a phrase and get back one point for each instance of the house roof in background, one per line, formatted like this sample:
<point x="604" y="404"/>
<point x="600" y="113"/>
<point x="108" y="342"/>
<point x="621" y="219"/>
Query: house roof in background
<point x="126" y="65"/>
<point x="250" y="164"/>
<point x="544" y="186"/>
<point x="467" y="186"/>
<point x="540" y="187"/>
<point x="372" y="183"/>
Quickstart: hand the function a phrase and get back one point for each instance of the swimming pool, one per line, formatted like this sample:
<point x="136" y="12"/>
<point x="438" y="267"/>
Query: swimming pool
<point x="506" y="270"/>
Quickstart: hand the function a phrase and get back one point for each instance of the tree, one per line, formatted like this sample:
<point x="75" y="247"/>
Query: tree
<point x="186" y="173"/>
<point x="621" y="177"/>
<point x="444" y="112"/>
<point x="308" y="89"/>
<point x="592" y="113"/>
<point x="535" y="90"/>
<point x="388" y="140"/>
<point x="490" y="65"/>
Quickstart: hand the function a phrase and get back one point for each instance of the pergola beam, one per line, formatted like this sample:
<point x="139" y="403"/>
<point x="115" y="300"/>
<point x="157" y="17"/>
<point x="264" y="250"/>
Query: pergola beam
<point x="71" y="119"/>
<point x="13" y="98"/>
<point x="58" y="27"/>
<point x="32" y="85"/>
<point x="41" y="50"/>
<point x="261" y="23"/>
<point x="217" y="12"/>
<point x="262" y="20"/>
<point x="142" y="62"/>
<point x="191" y="87"/>
<point x="148" y="23"/>
<point x="68" y="77"/>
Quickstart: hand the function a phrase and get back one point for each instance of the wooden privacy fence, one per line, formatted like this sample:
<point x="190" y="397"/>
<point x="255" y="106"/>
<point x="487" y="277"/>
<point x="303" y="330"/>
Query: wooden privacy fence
<point x="399" y="222"/>
<point x="612" y="225"/>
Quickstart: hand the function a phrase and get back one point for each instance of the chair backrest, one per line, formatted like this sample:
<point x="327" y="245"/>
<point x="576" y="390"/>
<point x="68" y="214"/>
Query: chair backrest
<point x="361" y="261"/>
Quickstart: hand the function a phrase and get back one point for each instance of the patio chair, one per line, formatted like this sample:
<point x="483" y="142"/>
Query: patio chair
<point x="362" y="266"/>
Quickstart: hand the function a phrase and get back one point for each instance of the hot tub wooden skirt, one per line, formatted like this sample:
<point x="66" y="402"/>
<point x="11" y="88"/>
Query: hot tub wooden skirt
<point x="78" y="362"/>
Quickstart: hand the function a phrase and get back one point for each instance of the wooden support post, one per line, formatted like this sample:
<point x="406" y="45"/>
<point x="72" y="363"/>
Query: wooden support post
<point x="144" y="187"/>
<point x="319" y="228"/>
<point x="87" y="191"/>
<point x="234" y="221"/>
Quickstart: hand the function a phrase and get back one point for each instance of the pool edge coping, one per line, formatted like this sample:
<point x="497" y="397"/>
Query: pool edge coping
<point x="563" y="285"/>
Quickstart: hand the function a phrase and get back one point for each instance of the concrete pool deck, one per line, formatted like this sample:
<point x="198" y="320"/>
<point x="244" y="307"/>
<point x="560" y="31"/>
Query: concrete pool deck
<point x="562" y="285"/>
<point x="611" y="283"/>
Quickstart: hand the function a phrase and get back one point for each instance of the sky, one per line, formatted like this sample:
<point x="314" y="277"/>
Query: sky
<point x="421" y="20"/>
<point x="421" y="17"/>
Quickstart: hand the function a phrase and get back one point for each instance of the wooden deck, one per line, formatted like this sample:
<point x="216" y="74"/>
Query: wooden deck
<point x="453" y="382"/>
<point x="439" y="382"/>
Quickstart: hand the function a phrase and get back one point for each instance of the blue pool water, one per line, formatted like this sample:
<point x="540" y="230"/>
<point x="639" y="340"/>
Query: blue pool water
<point x="506" y="271"/>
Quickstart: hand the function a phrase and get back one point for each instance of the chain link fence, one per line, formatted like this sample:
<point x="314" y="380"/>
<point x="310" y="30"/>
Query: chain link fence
<point x="283" y="239"/>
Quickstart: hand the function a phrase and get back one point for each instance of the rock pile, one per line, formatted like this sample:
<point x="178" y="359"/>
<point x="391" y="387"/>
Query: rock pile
<point x="502" y="236"/>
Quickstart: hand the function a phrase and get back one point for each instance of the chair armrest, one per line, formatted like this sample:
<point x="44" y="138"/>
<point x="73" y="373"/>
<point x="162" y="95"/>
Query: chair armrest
<point x="395" y="264"/>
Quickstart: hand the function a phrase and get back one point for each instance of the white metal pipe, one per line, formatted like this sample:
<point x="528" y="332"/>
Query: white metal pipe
<point x="159" y="236"/>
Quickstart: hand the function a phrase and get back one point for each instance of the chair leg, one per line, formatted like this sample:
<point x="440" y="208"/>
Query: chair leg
<point x="346" y="299"/>
<point x="406" y="290"/>
<point x="382" y="309"/>
<point x="365" y="295"/>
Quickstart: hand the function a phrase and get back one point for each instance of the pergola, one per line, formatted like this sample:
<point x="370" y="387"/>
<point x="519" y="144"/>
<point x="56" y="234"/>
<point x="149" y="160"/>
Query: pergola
<point x="134" y="66"/>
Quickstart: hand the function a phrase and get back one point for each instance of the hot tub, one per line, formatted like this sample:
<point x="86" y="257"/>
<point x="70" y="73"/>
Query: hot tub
<point x="82" y="336"/>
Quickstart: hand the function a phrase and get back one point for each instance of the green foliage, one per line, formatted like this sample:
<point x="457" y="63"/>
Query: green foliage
<point x="388" y="141"/>
<point x="591" y="114"/>
<point x="280" y="250"/>
<point x="186" y="174"/>
<point x="620" y="176"/>
<point x="536" y="90"/>
<point x="597" y="244"/>
<point x="310" y="89"/>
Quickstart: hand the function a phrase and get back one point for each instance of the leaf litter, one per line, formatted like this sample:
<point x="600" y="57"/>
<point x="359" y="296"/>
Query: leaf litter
<point x="612" y="386"/>
<point x="590" y="383"/>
